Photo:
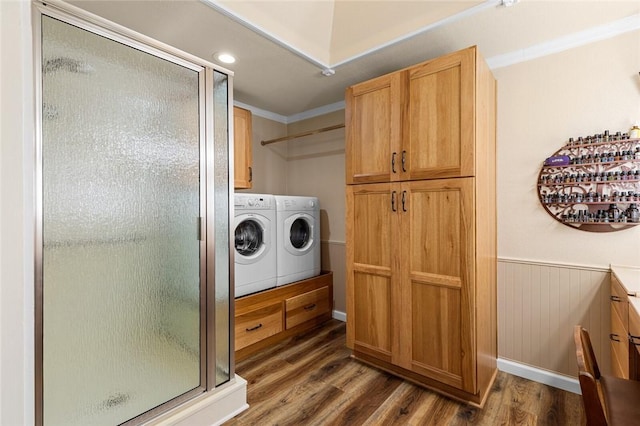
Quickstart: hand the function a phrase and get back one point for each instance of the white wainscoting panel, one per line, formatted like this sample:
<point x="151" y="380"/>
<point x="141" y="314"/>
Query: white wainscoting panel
<point x="538" y="306"/>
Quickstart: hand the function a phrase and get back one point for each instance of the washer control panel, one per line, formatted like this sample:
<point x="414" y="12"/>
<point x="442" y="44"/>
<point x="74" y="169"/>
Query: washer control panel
<point x="253" y="201"/>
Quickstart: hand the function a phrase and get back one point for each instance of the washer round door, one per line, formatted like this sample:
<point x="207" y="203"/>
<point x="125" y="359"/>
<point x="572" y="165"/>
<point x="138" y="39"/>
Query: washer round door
<point x="250" y="238"/>
<point x="299" y="235"/>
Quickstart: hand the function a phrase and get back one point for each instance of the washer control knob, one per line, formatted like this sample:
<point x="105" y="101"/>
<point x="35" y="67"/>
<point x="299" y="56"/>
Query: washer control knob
<point x="312" y="203"/>
<point x="251" y="203"/>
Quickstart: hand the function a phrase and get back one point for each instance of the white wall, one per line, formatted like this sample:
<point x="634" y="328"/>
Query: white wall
<point x="311" y="166"/>
<point x="552" y="277"/>
<point x="16" y="218"/>
<point x="541" y="103"/>
<point x="316" y="168"/>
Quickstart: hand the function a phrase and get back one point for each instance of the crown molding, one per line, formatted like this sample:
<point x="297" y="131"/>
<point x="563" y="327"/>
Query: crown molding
<point x="264" y="33"/>
<point x="448" y="20"/>
<point x="328" y="66"/>
<point x="571" y="41"/>
<point x="263" y="113"/>
<point x="326" y="109"/>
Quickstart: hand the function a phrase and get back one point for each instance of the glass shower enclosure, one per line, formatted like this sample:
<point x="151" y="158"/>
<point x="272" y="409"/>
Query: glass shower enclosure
<point x="133" y="266"/>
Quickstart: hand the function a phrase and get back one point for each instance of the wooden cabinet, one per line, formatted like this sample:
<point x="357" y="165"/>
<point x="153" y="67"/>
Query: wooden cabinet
<point x="258" y="324"/>
<point x="265" y="318"/>
<point x="619" y="341"/>
<point x="421" y="250"/>
<point x="242" y="130"/>
<point x="416" y="123"/>
<point x="373" y="129"/>
<point x="625" y="322"/>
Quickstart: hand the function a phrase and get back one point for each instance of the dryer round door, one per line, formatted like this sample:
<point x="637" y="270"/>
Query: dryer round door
<point x="299" y="235"/>
<point x="251" y="241"/>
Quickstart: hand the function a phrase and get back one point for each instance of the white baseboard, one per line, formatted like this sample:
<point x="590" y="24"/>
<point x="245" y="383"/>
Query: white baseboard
<point x="546" y="377"/>
<point x="209" y="410"/>
<point x="340" y="316"/>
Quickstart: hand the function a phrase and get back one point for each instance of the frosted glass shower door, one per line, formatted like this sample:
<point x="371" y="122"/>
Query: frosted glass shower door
<point x="121" y="258"/>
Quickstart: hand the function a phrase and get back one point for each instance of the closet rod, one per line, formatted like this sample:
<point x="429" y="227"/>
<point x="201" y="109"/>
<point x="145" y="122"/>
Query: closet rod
<point x="299" y="135"/>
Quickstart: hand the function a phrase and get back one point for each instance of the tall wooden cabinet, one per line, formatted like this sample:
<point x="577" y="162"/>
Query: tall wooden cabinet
<point x="242" y="130"/>
<point x="421" y="224"/>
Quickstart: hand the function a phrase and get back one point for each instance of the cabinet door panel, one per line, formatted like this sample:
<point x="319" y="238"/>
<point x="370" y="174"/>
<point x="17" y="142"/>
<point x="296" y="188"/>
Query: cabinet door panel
<point x="436" y="337"/>
<point x="370" y="262"/>
<point x="437" y="270"/>
<point x="373" y="130"/>
<point x="373" y="314"/>
<point x="439" y="139"/>
<point x="242" y="149"/>
<point x="619" y="345"/>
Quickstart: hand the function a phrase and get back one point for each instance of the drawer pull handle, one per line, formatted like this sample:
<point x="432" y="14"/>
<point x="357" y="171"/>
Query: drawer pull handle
<point x="255" y="328"/>
<point x="615" y="299"/>
<point x="310" y="307"/>
<point x="614" y="337"/>
<point x="635" y="340"/>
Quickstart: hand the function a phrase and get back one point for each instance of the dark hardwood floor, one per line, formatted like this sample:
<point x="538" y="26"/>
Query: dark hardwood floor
<point x="311" y="380"/>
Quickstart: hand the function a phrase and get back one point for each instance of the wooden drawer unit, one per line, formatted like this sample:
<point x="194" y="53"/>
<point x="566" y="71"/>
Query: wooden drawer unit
<point x="260" y="318"/>
<point x="306" y="306"/>
<point x="619" y="346"/>
<point x="619" y="341"/>
<point x="258" y="325"/>
<point x="619" y="300"/>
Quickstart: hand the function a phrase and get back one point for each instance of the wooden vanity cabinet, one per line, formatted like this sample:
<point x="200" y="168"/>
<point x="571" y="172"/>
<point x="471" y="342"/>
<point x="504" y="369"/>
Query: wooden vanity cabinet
<point x="421" y="246"/>
<point x="242" y="149"/>
<point x="618" y="339"/>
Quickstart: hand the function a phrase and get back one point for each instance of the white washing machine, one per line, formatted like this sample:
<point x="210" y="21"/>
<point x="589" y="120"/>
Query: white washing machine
<point x="255" y="243"/>
<point x="298" y="241"/>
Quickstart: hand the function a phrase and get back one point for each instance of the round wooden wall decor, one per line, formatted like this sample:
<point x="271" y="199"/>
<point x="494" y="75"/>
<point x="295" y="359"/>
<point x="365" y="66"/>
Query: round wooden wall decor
<point x="593" y="183"/>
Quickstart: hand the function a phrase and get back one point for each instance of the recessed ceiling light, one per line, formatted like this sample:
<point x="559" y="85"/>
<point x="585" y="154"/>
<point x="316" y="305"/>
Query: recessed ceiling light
<point x="224" y="57"/>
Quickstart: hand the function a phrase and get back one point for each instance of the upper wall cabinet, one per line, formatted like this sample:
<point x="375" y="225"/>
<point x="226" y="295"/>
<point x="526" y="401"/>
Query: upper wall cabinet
<point x="243" y="171"/>
<point x="374" y="129"/>
<point x="416" y="123"/>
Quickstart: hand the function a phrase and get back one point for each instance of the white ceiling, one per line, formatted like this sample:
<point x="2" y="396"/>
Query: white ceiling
<point x="282" y="46"/>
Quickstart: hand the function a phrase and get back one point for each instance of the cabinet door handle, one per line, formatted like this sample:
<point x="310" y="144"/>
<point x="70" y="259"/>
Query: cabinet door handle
<point x="615" y="299"/>
<point x="634" y="340"/>
<point x="250" y="174"/>
<point x="393" y="201"/>
<point x="255" y="328"/>
<point x="404" y="159"/>
<point x="310" y="307"/>
<point x="614" y="337"/>
<point x="404" y="195"/>
<point x="393" y="162"/>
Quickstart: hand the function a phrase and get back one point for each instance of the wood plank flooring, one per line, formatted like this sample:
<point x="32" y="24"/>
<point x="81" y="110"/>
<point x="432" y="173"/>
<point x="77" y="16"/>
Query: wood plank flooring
<point x="311" y="380"/>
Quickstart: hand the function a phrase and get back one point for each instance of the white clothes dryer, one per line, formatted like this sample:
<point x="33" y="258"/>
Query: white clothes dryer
<point x="298" y="240"/>
<point x="255" y="243"/>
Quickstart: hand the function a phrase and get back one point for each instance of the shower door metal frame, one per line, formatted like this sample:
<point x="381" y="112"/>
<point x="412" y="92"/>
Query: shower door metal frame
<point x="86" y="21"/>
